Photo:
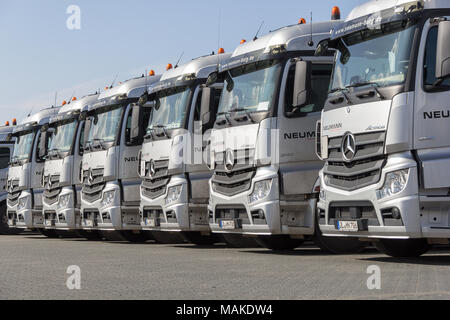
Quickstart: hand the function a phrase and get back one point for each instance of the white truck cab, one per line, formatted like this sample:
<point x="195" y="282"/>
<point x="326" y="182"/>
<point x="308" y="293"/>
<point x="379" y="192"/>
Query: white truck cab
<point x="265" y="170"/>
<point x="384" y="130"/>
<point x="110" y="182"/>
<point x="25" y="172"/>
<point x="61" y="179"/>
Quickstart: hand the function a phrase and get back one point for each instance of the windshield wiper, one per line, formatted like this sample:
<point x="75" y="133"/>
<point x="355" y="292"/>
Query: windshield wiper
<point x="163" y="127"/>
<point x="100" y="143"/>
<point x="226" y="114"/>
<point x="54" y="151"/>
<point x="247" y="113"/>
<point x="342" y="91"/>
<point x="366" y="83"/>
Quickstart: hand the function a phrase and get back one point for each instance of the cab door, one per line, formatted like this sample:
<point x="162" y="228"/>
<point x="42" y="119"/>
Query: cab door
<point x="299" y="165"/>
<point x="432" y="114"/>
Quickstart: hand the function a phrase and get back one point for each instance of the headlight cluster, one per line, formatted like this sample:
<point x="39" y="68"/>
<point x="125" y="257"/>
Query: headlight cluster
<point x="260" y="190"/>
<point x="22" y="203"/>
<point x="173" y="194"/>
<point x="394" y="183"/>
<point x="64" y="201"/>
<point x="108" y="198"/>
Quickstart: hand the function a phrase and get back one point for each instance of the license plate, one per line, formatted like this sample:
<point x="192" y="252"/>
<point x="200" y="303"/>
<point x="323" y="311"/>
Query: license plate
<point x="347" y="225"/>
<point x="227" y="224"/>
<point x="48" y="223"/>
<point x="88" y="223"/>
<point x="150" y="222"/>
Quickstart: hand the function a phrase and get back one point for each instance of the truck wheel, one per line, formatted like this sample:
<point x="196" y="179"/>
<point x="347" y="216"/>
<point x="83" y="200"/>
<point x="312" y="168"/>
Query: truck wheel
<point x="278" y="242"/>
<point x="201" y="240"/>
<point x="402" y="248"/>
<point x="90" y="235"/>
<point x="337" y="245"/>
<point x="131" y="236"/>
<point x="4" y="228"/>
<point x="168" y="237"/>
<point x="49" y="233"/>
<point x="235" y="240"/>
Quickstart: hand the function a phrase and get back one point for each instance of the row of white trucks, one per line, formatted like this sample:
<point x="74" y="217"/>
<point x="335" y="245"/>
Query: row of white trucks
<point x="335" y="132"/>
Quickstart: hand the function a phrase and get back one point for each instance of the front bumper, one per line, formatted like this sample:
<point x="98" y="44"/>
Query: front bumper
<point x="68" y="218"/>
<point x="112" y="217"/>
<point x="293" y="218"/>
<point x="177" y="216"/>
<point x="26" y="218"/>
<point x="377" y="217"/>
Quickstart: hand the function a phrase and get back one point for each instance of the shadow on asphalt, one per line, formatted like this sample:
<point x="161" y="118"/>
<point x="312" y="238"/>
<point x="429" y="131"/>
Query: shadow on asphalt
<point x="436" y="256"/>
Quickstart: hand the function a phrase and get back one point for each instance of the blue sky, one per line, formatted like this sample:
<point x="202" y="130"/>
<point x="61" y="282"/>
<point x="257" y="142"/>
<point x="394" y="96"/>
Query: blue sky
<point x="40" y="55"/>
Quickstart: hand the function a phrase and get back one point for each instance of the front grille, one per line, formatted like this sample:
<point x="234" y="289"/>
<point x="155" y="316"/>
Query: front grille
<point x="363" y="170"/>
<point x="232" y="180"/>
<point x="154" y="185"/>
<point x="52" y="189"/>
<point x="93" y="184"/>
<point x="13" y="192"/>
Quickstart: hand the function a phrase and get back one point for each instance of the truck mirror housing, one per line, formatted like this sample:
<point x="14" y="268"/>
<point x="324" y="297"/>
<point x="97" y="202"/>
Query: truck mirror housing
<point x="443" y="50"/>
<point x="136" y="123"/>
<point x="87" y="128"/>
<point x="43" y="139"/>
<point x="302" y="83"/>
<point x="205" y="107"/>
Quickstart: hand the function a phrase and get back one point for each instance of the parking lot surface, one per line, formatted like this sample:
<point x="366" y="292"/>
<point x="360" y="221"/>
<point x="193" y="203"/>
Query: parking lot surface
<point x="35" y="267"/>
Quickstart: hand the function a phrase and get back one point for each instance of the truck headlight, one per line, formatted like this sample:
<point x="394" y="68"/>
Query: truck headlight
<point x="394" y="183"/>
<point x="64" y="201"/>
<point x="260" y="190"/>
<point x="108" y="198"/>
<point x="22" y="203"/>
<point x="173" y="194"/>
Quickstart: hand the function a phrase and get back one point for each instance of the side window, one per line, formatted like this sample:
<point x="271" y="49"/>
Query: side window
<point x="429" y="64"/>
<point x="4" y="158"/>
<point x="320" y="81"/>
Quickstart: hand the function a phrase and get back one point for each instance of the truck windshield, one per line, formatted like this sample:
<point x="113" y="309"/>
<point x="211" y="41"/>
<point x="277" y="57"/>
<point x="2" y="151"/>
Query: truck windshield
<point x="250" y="88"/>
<point x="63" y="136"/>
<point x="379" y="56"/>
<point x="170" y="109"/>
<point x="22" y="148"/>
<point x="105" y="125"/>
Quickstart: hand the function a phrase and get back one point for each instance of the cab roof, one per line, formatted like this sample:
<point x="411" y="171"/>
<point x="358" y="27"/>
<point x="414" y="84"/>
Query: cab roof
<point x="132" y="88"/>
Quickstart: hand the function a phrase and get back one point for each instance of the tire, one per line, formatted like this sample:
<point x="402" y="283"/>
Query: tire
<point x="168" y="237"/>
<point x="52" y="234"/>
<point x="90" y="235"/>
<point x="402" y="248"/>
<point x="201" y="240"/>
<point x="278" y="242"/>
<point x="4" y="228"/>
<point x="235" y="240"/>
<point x="337" y="245"/>
<point x="131" y="236"/>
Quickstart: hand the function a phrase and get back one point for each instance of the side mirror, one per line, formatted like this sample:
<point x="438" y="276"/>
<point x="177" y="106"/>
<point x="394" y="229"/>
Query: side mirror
<point x="43" y="139"/>
<point x="205" y="106"/>
<point x="322" y="48"/>
<point x="136" y="123"/>
<point x="443" y="50"/>
<point x="143" y="99"/>
<point x="87" y="128"/>
<point x="302" y="83"/>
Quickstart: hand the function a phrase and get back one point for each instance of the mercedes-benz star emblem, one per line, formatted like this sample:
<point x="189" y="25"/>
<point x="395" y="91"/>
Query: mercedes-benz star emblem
<point x="348" y="147"/>
<point x="229" y="161"/>
<point x="91" y="177"/>
<point x="152" y="168"/>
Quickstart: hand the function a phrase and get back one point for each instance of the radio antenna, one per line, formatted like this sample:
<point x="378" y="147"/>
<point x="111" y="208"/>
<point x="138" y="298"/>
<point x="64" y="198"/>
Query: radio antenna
<point x="218" y="38"/>
<point x="311" y="42"/>
<point x="73" y="94"/>
<point x="112" y="83"/>
<point x="31" y="110"/>
<point x="56" y="95"/>
<point x="257" y="32"/>
<point x="176" y="65"/>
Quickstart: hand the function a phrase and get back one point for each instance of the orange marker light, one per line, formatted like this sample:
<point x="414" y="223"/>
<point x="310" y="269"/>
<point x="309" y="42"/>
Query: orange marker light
<point x="14" y="121"/>
<point x="74" y="98"/>
<point x="221" y="50"/>
<point x="7" y="123"/>
<point x="243" y="41"/>
<point x="64" y="103"/>
<point x="169" y="66"/>
<point x="302" y="21"/>
<point x="335" y="13"/>
<point x="151" y="73"/>
<point x="106" y="88"/>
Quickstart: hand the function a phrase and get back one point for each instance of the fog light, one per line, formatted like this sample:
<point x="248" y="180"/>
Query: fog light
<point x="396" y="213"/>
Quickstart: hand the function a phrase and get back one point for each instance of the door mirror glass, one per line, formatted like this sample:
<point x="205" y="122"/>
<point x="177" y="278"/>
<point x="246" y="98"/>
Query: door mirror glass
<point x="302" y="83"/>
<point x="443" y="51"/>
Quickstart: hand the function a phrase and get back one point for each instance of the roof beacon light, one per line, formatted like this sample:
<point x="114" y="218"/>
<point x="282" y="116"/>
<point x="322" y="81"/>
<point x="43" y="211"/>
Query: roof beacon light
<point x="7" y="123"/>
<point x="64" y="103"/>
<point x="220" y="51"/>
<point x="74" y="98"/>
<point x="14" y="121"/>
<point x="335" y="13"/>
<point x="302" y="21"/>
<point x="151" y="73"/>
<point x="169" y="66"/>
<point x="243" y="41"/>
